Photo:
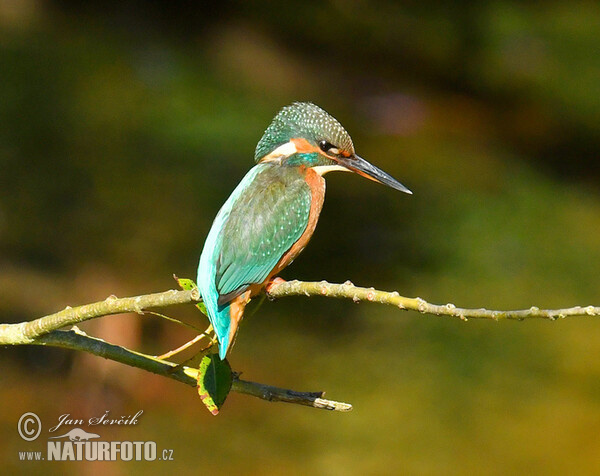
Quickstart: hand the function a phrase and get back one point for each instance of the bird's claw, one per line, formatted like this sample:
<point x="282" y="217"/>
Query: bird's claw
<point x="274" y="282"/>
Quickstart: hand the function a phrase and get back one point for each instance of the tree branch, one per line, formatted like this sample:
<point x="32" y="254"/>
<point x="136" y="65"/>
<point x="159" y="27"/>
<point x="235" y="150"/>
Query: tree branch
<point x="27" y="332"/>
<point x="44" y="331"/>
<point x="358" y="294"/>
<point x="75" y="339"/>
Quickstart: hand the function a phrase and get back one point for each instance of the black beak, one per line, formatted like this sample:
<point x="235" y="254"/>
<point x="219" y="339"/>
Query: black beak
<point x="362" y="167"/>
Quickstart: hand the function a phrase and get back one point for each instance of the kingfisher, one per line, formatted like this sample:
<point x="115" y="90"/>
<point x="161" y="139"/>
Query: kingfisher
<point x="271" y="215"/>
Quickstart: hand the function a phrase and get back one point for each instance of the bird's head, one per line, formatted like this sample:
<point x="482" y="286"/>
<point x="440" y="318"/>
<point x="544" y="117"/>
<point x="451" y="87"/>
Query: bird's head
<point x="303" y="134"/>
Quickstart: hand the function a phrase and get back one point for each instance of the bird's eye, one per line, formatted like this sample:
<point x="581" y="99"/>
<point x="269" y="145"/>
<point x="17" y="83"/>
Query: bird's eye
<point x="325" y="146"/>
<point x="328" y="147"/>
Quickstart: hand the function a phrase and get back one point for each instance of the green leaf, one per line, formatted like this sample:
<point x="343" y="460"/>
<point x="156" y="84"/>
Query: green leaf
<point x="189" y="285"/>
<point x="186" y="284"/>
<point x="214" y="382"/>
<point x="202" y="308"/>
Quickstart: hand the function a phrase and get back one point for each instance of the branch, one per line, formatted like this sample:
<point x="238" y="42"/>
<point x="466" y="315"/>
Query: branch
<point x="28" y="332"/>
<point x="77" y="340"/>
<point x="44" y="331"/>
<point x="358" y="294"/>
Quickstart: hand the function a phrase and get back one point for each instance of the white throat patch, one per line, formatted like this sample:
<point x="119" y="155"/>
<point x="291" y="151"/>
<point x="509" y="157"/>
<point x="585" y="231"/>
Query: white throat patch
<point x="323" y="169"/>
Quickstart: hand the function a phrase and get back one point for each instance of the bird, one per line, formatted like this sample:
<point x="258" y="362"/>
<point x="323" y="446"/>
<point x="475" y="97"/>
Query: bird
<point x="271" y="215"/>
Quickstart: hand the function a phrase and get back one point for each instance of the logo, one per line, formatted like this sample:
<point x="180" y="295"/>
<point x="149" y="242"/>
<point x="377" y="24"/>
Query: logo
<point x="77" y="444"/>
<point x="29" y="426"/>
<point x="77" y="434"/>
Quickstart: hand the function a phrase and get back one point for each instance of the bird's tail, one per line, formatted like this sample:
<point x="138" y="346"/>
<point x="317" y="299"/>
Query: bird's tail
<point x="221" y="321"/>
<point x="226" y="320"/>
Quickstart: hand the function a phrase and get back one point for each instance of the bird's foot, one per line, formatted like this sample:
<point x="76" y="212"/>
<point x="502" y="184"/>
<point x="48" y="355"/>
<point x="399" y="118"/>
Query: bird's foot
<point x="274" y="282"/>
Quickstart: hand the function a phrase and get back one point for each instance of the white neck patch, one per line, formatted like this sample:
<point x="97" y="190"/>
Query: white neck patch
<point x="283" y="150"/>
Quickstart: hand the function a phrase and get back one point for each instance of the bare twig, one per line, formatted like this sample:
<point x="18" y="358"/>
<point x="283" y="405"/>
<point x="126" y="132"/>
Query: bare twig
<point x="190" y="343"/>
<point x="27" y="332"/>
<point x="274" y="394"/>
<point x="358" y="294"/>
<point x="78" y="340"/>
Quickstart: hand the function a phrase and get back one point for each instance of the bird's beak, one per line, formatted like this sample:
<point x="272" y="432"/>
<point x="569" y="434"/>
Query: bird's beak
<point x="362" y="167"/>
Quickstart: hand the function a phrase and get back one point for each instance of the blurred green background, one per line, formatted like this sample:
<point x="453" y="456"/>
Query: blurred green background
<point x="125" y="125"/>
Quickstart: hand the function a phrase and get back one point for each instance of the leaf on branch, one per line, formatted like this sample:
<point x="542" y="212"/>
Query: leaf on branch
<point x="189" y="285"/>
<point x="214" y="382"/>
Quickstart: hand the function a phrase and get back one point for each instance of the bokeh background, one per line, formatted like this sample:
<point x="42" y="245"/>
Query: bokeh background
<point x="125" y="125"/>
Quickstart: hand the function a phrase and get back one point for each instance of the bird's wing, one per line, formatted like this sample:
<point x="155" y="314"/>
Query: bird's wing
<point x="264" y="223"/>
